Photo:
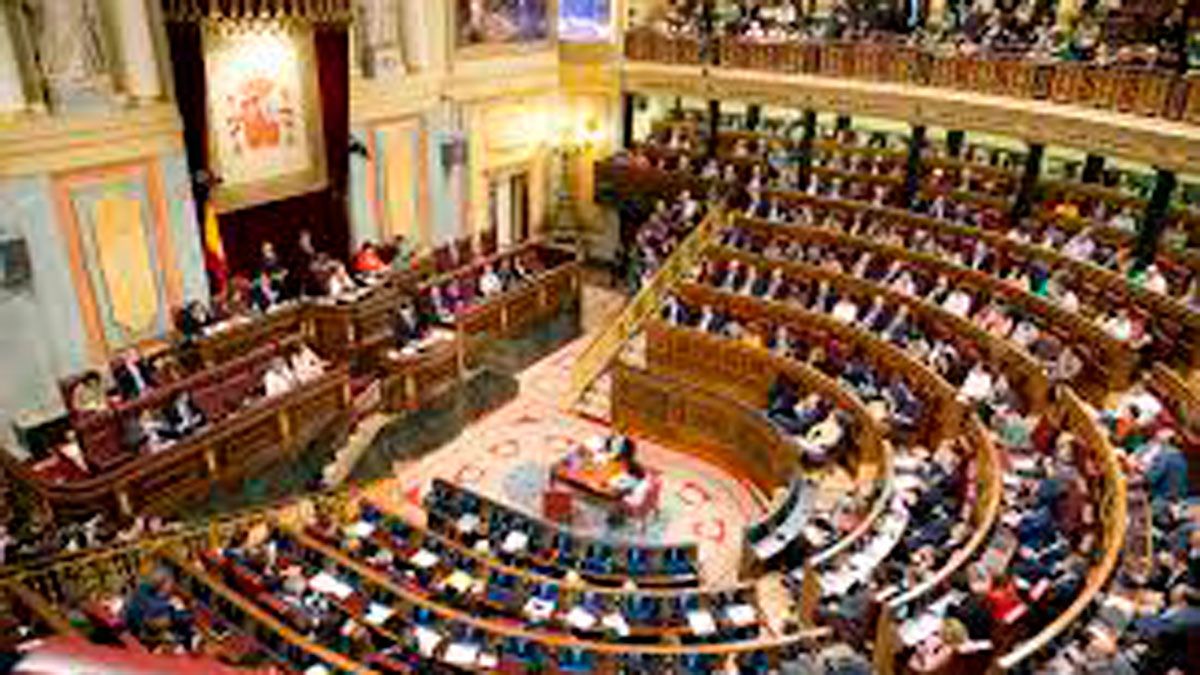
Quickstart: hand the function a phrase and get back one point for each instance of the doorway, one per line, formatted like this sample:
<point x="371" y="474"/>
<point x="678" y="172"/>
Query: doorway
<point x="508" y="199"/>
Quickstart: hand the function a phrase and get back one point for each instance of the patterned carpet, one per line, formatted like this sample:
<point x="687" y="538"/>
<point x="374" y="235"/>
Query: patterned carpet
<point x="507" y="456"/>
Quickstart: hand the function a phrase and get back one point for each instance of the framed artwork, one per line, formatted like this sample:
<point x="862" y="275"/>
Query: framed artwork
<point x="585" y="20"/>
<point x="264" y="115"/>
<point x="502" y="22"/>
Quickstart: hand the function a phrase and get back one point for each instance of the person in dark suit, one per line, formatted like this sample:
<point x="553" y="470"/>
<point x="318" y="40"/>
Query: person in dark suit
<point x="134" y="375"/>
<point x="407" y="326"/>
<point x="263" y="294"/>
<point x="272" y="269"/>
<point x="193" y="319"/>
<point x="151" y="615"/>
<point x="674" y="312"/>
<point x="304" y="272"/>
<point x="972" y="611"/>
<point x="182" y="416"/>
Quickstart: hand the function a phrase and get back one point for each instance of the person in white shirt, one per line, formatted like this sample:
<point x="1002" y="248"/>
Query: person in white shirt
<point x="845" y="310"/>
<point x="978" y="384"/>
<point x="1156" y="281"/>
<point x="958" y="303"/>
<point x="278" y="379"/>
<point x="1119" y="325"/>
<point x="1024" y="334"/>
<point x="674" y="312"/>
<point x="306" y="365"/>
<point x="899" y="325"/>
<point x="905" y="284"/>
<point x="339" y="282"/>
<point x="489" y="283"/>
<point x="1080" y="247"/>
<point x="937" y="209"/>
<point x="440" y="306"/>
<point x="775" y="213"/>
<point x="873" y="312"/>
<point x="709" y="322"/>
<point x="733" y="277"/>
<point x="1124" y="220"/>
<point x="688" y="207"/>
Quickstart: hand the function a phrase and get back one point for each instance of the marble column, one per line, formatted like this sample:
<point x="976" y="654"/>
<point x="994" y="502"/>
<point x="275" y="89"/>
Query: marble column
<point x="381" y="38"/>
<point x="420" y="33"/>
<point x="139" y="62"/>
<point x="12" y="91"/>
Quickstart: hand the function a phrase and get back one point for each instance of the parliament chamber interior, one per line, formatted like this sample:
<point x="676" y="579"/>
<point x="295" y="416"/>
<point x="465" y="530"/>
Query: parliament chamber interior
<point x="756" y="337"/>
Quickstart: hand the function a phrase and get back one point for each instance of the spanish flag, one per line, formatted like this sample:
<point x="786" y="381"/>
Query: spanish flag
<point x="214" y="251"/>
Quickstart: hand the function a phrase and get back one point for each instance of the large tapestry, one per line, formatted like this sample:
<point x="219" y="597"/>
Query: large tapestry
<point x="502" y="22"/>
<point x="264" y="122"/>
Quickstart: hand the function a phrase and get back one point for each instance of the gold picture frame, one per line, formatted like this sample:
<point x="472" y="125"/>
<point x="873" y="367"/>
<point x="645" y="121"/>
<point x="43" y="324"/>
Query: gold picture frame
<point x="485" y="50"/>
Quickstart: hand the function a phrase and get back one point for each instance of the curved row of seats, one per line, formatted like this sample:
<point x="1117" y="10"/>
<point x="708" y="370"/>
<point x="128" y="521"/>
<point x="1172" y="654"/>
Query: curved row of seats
<point x="958" y="188"/>
<point x="765" y="335"/>
<point x="1061" y="600"/>
<point x="1168" y="321"/>
<point x="766" y="276"/>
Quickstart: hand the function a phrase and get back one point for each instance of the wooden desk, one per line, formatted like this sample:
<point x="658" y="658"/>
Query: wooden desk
<point x="409" y="381"/>
<point x="593" y="479"/>
<point x="221" y="453"/>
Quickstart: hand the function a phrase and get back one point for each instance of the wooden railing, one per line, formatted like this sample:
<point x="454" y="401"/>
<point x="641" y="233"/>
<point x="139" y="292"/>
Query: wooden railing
<point x="719" y="429"/>
<point x="594" y="358"/>
<point x="1113" y="518"/>
<point x="265" y="432"/>
<point x="1137" y="90"/>
<point x="943" y="410"/>
<point x="746" y="374"/>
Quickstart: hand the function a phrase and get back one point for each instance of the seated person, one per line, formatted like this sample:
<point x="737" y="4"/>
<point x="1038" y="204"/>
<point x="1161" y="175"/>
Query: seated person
<point x="133" y="374"/>
<point x="408" y="326"/>
<point x="824" y="440"/>
<point x="444" y="302"/>
<point x="278" y="379"/>
<point x="490" y="283"/>
<point x="263" y="295"/>
<point x="146" y="432"/>
<point x="193" y="319"/>
<point x="711" y="321"/>
<point x="88" y="394"/>
<point x="338" y="281"/>
<point x="367" y="260"/>
<point x="306" y="365"/>
<point x="674" y="312"/>
<point x="156" y="618"/>
<point x="272" y="270"/>
<point x="182" y="417"/>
